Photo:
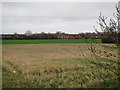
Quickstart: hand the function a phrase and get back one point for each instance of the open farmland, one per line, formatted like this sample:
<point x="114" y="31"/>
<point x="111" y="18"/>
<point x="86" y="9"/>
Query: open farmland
<point x="44" y="41"/>
<point x="59" y="65"/>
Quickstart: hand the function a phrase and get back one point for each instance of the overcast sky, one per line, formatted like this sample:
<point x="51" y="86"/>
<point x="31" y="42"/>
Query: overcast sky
<point x="68" y="17"/>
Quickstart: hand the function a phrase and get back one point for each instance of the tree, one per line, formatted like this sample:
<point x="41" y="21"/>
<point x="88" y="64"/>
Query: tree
<point x="109" y="30"/>
<point x="15" y="35"/>
<point x="28" y="32"/>
<point x="58" y="32"/>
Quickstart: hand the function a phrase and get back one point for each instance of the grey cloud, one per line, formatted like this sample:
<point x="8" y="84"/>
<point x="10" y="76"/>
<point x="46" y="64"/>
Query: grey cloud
<point x="57" y="9"/>
<point x="36" y="24"/>
<point x="49" y="17"/>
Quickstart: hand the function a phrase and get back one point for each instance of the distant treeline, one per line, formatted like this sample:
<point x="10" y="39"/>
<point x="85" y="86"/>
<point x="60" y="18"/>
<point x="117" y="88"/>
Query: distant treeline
<point x="55" y="36"/>
<point x="49" y="36"/>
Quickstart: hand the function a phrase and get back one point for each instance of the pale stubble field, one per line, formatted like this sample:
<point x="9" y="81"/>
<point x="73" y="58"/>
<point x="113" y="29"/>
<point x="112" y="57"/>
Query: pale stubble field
<point x="55" y="65"/>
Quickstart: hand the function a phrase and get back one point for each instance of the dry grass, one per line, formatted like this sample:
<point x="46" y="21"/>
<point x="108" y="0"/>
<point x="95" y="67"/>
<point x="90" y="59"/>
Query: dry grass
<point x="32" y="57"/>
<point x="54" y="63"/>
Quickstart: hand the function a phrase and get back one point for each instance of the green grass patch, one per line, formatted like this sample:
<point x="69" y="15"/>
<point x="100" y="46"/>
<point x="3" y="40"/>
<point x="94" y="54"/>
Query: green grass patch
<point x="111" y="83"/>
<point x="46" y="41"/>
<point x="11" y="80"/>
<point x="16" y="80"/>
<point x="109" y="61"/>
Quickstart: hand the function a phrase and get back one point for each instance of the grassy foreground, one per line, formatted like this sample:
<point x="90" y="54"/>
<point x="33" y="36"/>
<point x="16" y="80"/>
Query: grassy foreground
<point x="51" y="41"/>
<point x="57" y="66"/>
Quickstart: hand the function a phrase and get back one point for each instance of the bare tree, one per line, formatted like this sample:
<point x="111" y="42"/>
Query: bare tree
<point x="58" y="32"/>
<point x="28" y="32"/>
<point x="110" y="32"/>
<point x="109" y="29"/>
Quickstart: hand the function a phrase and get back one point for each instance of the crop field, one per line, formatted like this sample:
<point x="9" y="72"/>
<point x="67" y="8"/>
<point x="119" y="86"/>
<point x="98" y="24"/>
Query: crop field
<point x="64" y="65"/>
<point x="44" y="41"/>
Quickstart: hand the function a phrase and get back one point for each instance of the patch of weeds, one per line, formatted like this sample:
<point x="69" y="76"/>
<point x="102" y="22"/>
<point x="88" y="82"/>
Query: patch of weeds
<point x="33" y="83"/>
<point x="111" y="83"/>
<point x="10" y="79"/>
<point x="109" y="61"/>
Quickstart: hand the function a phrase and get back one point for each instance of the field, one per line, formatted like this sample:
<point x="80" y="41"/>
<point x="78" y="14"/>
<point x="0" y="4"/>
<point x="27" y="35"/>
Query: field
<point x="64" y="65"/>
<point x="44" y="41"/>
